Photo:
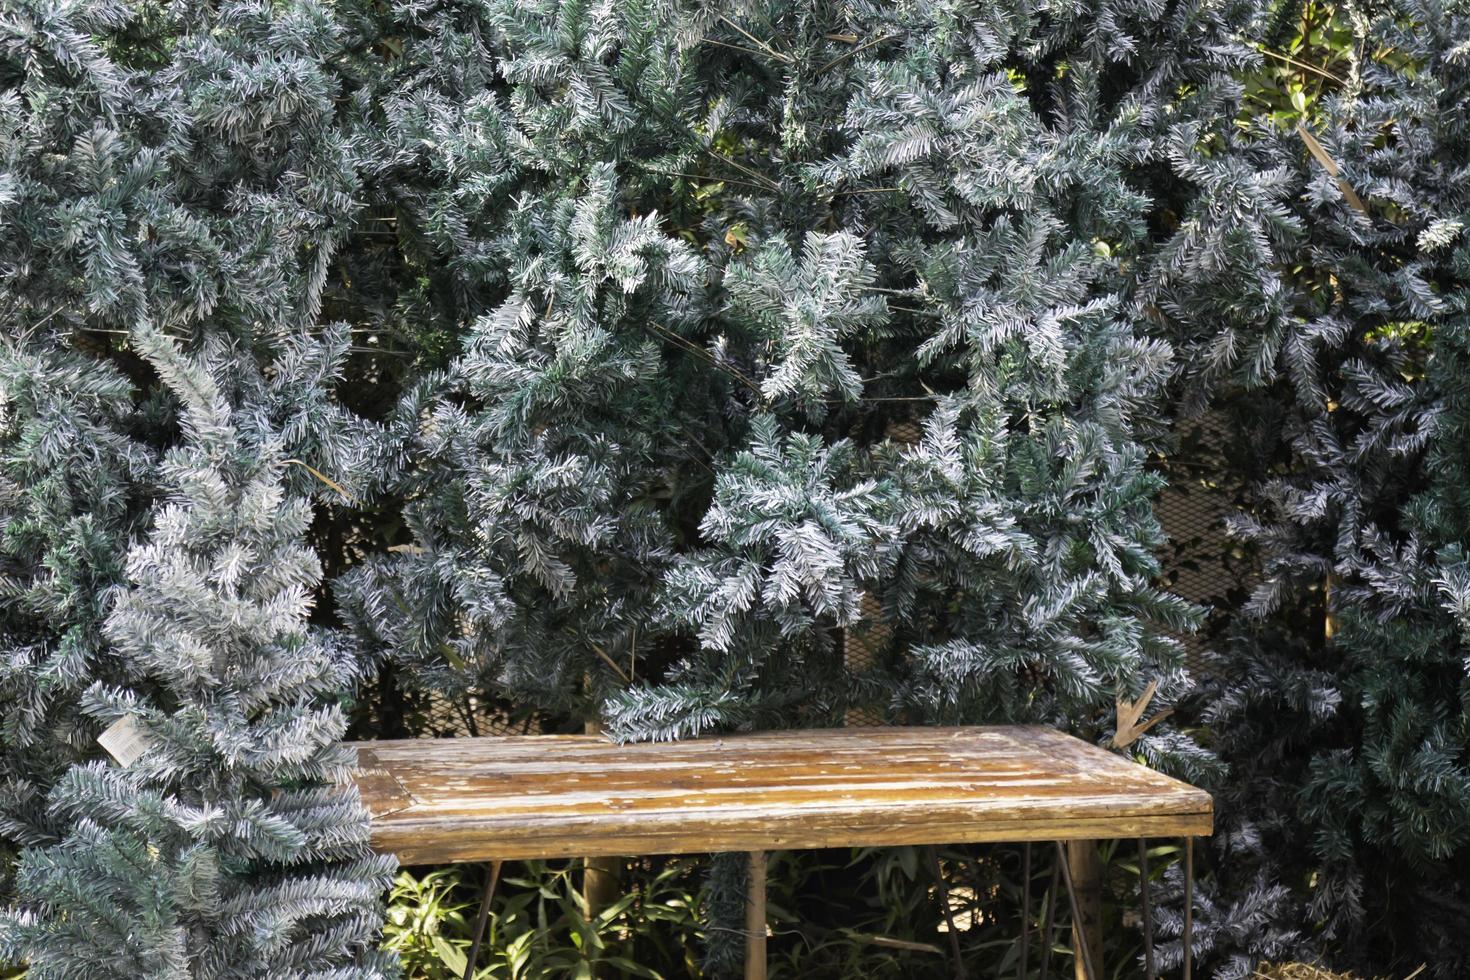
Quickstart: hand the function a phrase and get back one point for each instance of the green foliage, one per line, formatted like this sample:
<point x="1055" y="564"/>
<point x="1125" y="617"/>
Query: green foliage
<point x="708" y="267"/>
<point x="231" y="846"/>
<point x="867" y="912"/>
<point x="1341" y="702"/>
<point x="539" y="926"/>
<point x="624" y="362"/>
<point x="663" y="471"/>
<point x="72" y="475"/>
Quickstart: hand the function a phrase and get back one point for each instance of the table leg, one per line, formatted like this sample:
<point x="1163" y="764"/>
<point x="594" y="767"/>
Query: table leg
<point x="1188" y="944"/>
<point x="942" y="887"/>
<point x="755" y="918"/>
<point x="1145" y="893"/>
<point x="481" y="919"/>
<point x="1051" y="914"/>
<point x="1024" y="973"/>
<point x="600" y="889"/>
<point x="599" y="874"/>
<point x="1085" y="866"/>
<point x="1081" y="855"/>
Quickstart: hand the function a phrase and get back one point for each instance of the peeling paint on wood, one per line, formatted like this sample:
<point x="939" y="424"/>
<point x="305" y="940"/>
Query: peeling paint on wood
<point x="479" y="799"/>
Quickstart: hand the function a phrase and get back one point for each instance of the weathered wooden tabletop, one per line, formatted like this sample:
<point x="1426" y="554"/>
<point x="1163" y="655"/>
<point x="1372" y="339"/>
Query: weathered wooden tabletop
<point x="476" y="799"/>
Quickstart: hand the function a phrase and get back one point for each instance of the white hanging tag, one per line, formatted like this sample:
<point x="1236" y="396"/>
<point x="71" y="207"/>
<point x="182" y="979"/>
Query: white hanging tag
<point x="124" y="740"/>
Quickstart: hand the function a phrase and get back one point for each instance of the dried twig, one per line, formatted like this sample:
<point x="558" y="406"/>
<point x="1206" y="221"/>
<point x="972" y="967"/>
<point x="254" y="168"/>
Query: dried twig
<point x="757" y="41"/>
<point x="1320" y="155"/>
<point x="854" y="52"/>
<point x="321" y="476"/>
<point x="1129" y="730"/>
<point x="1301" y="64"/>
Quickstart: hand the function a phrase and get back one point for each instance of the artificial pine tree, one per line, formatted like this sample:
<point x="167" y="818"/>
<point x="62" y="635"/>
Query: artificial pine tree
<point x="1398" y="853"/>
<point x="710" y="268"/>
<point x="1340" y="699"/>
<point x="709" y="263"/>
<point x="693" y="338"/>
<point x="233" y="845"/>
<point x="187" y="168"/>
<point x="179" y="165"/>
<point x="537" y="542"/>
<point x="74" y="484"/>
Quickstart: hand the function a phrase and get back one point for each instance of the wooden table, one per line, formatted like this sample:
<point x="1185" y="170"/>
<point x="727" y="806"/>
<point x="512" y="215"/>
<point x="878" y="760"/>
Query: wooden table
<point x="496" y="799"/>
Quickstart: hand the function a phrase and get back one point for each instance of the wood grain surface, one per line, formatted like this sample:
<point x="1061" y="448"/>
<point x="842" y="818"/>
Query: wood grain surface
<point x="478" y="799"/>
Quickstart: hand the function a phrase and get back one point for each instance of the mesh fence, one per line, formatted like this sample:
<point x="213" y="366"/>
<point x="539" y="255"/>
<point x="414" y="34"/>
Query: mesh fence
<point x="473" y="715"/>
<point x="1201" y="562"/>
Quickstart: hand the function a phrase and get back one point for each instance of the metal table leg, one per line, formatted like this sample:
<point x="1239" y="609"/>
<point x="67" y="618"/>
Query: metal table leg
<point x="481" y="919"/>
<point x="1049" y="919"/>
<point x="1025" y="909"/>
<point x="1188" y="907"/>
<point x="942" y="887"/>
<point x="1151" y="969"/>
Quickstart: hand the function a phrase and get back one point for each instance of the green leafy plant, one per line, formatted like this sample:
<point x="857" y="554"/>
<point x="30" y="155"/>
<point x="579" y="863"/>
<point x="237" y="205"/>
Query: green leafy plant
<point x="538" y="925"/>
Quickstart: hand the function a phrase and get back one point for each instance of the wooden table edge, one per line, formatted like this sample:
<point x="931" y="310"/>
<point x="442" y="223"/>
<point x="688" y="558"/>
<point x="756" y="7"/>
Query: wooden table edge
<point x="436" y="843"/>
